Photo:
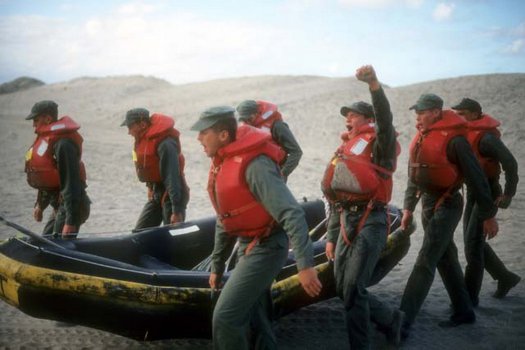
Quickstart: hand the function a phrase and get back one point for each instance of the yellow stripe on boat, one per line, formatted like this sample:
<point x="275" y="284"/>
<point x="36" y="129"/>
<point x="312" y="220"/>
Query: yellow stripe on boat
<point x="8" y="285"/>
<point x="14" y="275"/>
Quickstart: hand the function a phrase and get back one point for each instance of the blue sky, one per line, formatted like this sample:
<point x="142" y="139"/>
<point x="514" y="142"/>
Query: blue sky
<point x="408" y="41"/>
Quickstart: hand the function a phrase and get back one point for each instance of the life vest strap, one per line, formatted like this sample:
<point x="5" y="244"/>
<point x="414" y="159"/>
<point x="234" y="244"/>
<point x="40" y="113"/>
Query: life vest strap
<point x="238" y="211"/>
<point x="446" y="195"/>
<point x="426" y="165"/>
<point x="256" y="239"/>
<point x="372" y="204"/>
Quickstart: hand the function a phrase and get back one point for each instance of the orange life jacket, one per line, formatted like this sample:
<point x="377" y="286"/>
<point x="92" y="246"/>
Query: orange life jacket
<point x="236" y="207"/>
<point x="267" y="114"/>
<point x="476" y="129"/>
<point x="41" y="166"/>
<point x="145" y="154"/>
<point x="428" y="166"/>
<point x="352" y="176"/>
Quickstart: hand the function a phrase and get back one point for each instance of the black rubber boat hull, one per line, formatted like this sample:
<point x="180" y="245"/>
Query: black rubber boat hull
<point x="142" y="285"/>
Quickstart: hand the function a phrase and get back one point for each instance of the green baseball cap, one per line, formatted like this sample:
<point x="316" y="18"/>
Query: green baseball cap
<point x="360" y="107"/>
<point x="428" y="101"/>
<point x="43" y="107"/>
<point x="247" y="108"/>
<point x="212" y="115"/>
<point x="135" y="115"/>
<point x="468" y="104"/>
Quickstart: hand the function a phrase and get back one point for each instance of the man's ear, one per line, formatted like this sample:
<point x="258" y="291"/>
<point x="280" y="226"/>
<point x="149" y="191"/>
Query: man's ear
<point x="436" y="113"/>
<point x="224" y="136"/>
<point x="49" y="119"/>
<point x="143" y="124"/>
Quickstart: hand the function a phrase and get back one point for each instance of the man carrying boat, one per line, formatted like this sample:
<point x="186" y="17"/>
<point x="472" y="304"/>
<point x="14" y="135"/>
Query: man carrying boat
<point x="159" y="162"/>
<point x="358" y="184"/>
<point x="266" y="116"/>
<point x="440" y="160"/>
<point x="54" y="167"/>
<point x="255" y="207"/>
<point x="484" y="138"/>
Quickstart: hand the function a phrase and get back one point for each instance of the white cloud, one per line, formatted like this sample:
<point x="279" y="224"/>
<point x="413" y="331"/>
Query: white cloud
<point x="137" y="8"/>
<point x="374" y="4"/>
<point x="194" y="46"/>
<point x="301" y="5"/>
<point x="180" y="48"/>
<point x="414" y="3"/>
<point x="335" y="68"/>
<point x="443" y="11"/>
<point x="511" y="40"/>
<point x="520" y="30"/>
<point x="516" y="47"/>
<point x="379" y="4"/>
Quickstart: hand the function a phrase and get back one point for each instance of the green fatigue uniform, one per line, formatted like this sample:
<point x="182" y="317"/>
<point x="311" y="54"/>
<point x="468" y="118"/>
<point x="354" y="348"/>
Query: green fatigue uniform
<point x="168" y="196"/>
<point x="282" y="134"/>
<point x="74" y="203"/>
<point x="354" y="264"/>
<point x="438" y="249"/>
<point x="478" y="253"/>
<point x="245" y="296"/>
<point x="45" y="199"/>
<point x="280" y="131"/>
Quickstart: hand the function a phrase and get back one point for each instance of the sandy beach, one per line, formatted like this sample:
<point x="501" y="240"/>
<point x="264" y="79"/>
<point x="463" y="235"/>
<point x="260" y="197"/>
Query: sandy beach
<point x="310" y="105"/>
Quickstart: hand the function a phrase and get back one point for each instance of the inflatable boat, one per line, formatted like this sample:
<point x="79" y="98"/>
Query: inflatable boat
<point x="152" y="284"/>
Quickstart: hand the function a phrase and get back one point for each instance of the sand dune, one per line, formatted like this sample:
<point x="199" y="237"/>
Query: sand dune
<point x="310" y="105"/>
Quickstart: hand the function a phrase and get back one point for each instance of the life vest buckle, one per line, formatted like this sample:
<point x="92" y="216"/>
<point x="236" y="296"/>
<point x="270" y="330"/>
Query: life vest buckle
<point x="353" y="208"/>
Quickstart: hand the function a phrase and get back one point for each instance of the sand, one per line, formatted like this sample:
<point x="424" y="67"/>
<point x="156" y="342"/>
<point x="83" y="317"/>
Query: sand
<point x="310" y="105"/>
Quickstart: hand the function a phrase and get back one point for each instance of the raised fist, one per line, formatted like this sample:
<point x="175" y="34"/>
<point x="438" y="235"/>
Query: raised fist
<point x="366" y="74"/>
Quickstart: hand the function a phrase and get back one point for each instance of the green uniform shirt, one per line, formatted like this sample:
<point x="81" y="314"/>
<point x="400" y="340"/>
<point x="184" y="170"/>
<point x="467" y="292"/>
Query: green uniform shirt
<point x="282" y="134"/>
<point x="384" y="150"/>
<point x="269" y="188"/>
<point x="169" y="167"/>
<point x="492" y="147"/>
<point x="67" y="156"/>
<point x="460" y="153"/>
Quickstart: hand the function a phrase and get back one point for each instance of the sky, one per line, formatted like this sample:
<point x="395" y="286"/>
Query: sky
<point x="184" y="41"/>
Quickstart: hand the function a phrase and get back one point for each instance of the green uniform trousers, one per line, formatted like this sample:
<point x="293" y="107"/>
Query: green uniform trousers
<point x="154" y="213"/>
<point x="245" y="299"/>
<point x="59" y="219"/>
<point x="354" y="269"/>
<point x="438" y="251"/>
<point x="479" y="254"/>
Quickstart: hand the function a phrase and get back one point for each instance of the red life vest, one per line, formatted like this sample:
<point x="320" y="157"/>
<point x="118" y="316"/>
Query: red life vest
<point x="428" y="166"/>
<point x="41" y="167"/>
<point x="478" y="128"/>
<point x="267" y="114"/>
<point x="352" y="176"/>
<point x="145" y="151"/>
<point x="236" y="207"/>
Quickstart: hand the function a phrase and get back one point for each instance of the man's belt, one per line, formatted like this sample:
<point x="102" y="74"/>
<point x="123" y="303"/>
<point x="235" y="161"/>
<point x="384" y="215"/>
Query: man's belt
<point x="358" y="207"/>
